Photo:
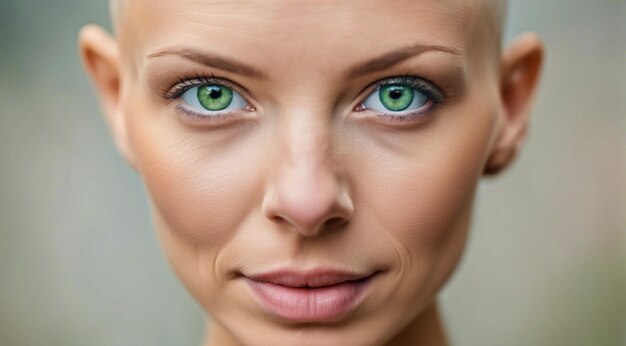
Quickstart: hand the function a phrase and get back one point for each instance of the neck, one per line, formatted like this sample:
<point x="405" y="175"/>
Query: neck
<point x="426" y="329"/>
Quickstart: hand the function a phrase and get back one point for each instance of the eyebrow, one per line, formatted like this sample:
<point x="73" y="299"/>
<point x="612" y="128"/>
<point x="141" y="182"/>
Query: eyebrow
<point x="392" y="58"/>
<point x="209" y="59"/>
<point x="380" y="63"/>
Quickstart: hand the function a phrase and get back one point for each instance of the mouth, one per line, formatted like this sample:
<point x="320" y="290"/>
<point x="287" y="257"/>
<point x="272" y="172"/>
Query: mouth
<point x="312" y="296"/>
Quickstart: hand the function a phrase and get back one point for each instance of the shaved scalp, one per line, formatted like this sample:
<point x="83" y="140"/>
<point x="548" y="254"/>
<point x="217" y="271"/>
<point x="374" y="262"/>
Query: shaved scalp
<point x="495" y="11"/>
<point x="492" y="16"/>
<point x="486" y="24"/>
<point x="484" y="27"/>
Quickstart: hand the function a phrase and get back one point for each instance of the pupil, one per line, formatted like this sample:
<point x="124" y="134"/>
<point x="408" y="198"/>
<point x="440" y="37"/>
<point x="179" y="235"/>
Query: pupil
<point x="215" y="93"/>
<point x="395" y="94"/>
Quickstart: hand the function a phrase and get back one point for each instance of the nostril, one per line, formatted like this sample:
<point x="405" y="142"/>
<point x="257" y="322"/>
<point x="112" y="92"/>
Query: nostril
<point x="330" y="224"/>
<point x="279" y="219"/>
<point x="336" y="222"/>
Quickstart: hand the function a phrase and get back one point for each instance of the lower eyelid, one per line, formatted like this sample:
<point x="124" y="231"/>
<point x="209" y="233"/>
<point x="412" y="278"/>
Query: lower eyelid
<point x="423" y="112"/>
<point x="208" y="114"/>
<point x="198" y="119"/>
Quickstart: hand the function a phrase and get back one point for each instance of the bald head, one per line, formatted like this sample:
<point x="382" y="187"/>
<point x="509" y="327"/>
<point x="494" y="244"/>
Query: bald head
<point x="492" y="14"/>
<point x="477" y="24"/>
<point x="491" y="17"/>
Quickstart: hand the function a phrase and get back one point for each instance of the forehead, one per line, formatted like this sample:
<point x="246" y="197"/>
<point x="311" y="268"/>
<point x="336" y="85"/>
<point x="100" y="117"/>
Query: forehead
<point x="296" y="31"/>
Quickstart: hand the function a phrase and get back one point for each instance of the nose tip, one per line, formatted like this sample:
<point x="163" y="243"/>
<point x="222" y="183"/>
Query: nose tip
<point x="309" y="200"/>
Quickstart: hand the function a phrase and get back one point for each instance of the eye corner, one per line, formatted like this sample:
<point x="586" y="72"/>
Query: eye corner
<point x="360" y="107"/>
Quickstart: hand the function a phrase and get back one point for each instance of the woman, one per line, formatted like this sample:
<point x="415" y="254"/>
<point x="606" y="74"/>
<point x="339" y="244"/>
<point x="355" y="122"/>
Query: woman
<point x="312" y="165"/>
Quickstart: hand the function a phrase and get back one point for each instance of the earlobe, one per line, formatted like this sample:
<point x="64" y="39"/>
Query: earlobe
<point x="100" y="56"/>
<point x="520" y="69"/>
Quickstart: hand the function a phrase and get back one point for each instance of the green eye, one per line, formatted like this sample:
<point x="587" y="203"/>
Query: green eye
<point x="396" y="97"/>
<point x="405" y="96"/>
<point x="214" y="97"/>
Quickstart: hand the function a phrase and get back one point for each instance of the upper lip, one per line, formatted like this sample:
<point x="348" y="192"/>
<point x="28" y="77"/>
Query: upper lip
<point x="311" y="278"/>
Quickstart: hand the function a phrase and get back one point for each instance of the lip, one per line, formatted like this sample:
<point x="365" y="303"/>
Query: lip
<point x="309" y="296"/>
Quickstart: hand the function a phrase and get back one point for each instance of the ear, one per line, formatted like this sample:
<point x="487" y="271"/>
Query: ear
<point x="520" y="69"/>
<point x="100" y="55"/>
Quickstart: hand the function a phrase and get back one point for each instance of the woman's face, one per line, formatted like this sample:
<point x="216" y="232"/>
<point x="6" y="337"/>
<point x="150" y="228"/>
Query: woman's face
<point x="290" y="144"/>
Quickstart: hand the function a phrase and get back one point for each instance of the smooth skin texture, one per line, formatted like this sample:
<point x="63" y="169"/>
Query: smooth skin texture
<point x="303" y="175"/>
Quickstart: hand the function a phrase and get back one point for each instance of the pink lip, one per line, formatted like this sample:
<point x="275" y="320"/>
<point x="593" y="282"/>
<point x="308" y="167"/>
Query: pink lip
<point x="311" y="296"/>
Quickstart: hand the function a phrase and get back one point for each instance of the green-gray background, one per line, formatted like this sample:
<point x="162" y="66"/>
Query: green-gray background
<point x="79" y="264"/>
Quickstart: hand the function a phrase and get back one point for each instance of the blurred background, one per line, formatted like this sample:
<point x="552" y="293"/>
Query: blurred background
<point x="80" y="265"/>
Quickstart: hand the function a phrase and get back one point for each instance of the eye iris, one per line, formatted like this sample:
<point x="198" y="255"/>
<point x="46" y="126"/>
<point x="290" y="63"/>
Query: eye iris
<point x="396" y="97"/>
<point x="215" y="97"/>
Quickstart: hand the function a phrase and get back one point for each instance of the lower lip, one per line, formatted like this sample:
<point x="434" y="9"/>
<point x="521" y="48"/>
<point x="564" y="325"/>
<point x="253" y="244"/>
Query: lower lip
<point x="308" y="304"/>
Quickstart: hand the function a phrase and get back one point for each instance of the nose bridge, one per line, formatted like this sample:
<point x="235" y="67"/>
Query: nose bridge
<point x="306" y="190"/>
<point x="308" y="146"/>
<point x="307" y="172"/>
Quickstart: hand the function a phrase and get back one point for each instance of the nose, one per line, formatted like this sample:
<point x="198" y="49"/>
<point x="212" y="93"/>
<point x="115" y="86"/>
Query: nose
<point x="306" y="191"/>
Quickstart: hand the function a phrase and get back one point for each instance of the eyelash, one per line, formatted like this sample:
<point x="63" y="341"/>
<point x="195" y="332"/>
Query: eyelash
<point x="186" y="82"/>
<point x="190" y="81"/>
<point x="429" y="89"/>
<point x="435" y="96"/>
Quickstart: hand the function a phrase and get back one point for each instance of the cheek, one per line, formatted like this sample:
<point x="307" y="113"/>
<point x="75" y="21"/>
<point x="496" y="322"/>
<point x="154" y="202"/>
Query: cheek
<point x="422" y="196"/>
<point x="199" y="182"/>
<point x="201" y="186"/>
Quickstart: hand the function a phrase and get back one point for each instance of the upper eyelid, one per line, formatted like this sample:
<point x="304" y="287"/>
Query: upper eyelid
<point x="404" y="79"/>
<point x="189" y="82"/>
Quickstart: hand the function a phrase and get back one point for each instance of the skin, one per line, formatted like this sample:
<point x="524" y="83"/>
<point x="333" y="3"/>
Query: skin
<point x="303" y="176"/>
